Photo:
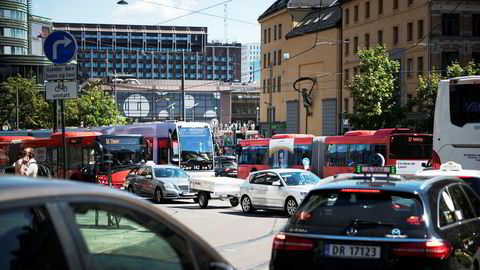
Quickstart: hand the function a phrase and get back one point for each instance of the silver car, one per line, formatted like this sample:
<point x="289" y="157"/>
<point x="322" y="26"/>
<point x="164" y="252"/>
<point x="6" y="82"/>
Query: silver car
<point x="160" y="182"/>
<point x="281" y="189"/>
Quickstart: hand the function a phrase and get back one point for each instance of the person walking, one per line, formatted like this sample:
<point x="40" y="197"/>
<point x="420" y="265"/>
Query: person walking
<point x="26" y="165"/>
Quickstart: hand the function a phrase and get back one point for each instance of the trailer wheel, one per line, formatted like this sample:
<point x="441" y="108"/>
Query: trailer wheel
<point x="203" y="199"/>
<point x="234" y="202"/>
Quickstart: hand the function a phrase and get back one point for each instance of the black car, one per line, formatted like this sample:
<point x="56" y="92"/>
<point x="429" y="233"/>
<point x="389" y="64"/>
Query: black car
<point x="393" y="223"/>
<point x="226" y="167"/>
<point x="71" y="225"/>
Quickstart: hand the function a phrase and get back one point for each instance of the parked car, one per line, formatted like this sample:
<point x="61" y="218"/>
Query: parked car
<point x="160" y="182"/>
<point x="70" y="225"/>
<point x="226" y="168"/>
<point x="280" y="189"/>
<point x="425" y="223"/>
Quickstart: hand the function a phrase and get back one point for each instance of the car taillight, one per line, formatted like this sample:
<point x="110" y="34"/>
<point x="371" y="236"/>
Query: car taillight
<point x="436" y="162"/>
<point x="227" y="169"/>
<point x="430" y="249"/>
<point x="287" y="242"/>
<point x="303" y="215"/>
<point x="358" y="190"/>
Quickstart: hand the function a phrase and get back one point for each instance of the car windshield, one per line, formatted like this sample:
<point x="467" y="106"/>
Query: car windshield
<point x="300" y="178"/>
<point x="169" y="173"/>
<point x="333" y="212"/>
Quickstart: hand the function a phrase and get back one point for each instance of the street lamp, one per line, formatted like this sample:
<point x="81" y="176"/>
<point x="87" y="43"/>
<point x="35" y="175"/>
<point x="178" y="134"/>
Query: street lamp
<point x="193" y="111"/>
<point x="122" y="2"/>
<point x="171" y="107"/>
<point x="258" y="115"/>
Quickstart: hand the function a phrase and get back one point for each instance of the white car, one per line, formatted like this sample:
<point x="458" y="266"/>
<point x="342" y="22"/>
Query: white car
<point x="281" y="189"/>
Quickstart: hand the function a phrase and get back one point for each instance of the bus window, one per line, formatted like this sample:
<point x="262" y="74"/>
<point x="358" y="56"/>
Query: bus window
<point x="301" y="151"/>
<point x="464" y="104"/>
<point x="410" y="147"/>
<point x="331" y="156"/>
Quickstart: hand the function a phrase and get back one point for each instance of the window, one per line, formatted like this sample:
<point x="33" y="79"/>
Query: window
<point x="395" y="4"/>
<point x="269" y="35"/>
<point x="279" y="84"/>
<point x="380" y="37"/>
<point x="446" y="209"/>
<point x="274" y="85"/>
<point x="409" y="31"/>
<point x="355" y="45"/>
<point x="347" y="47"/>
<point x="450" y="24"/>
<point x="464" y="104"/>
<point x="419" y="29"/>
<point x="461" y="202"/>
<point x="268" y="86"/>
<point x="279" y="61"/>
<point x="265" y="36"/>
<point x="264" y="86"/>
<point x="29" y="240"/>
<point x="146" y="242"/>
<point x="473" y="197"/>
<point x="275" y="58"/>
<point x="367" y="41"/>
<point x="380" y="7"/>
<point x="253" y="155"/>
<point x="420" y="65"/>
<point x="355" y="13"/>
<point x="409" y="67"/>
<point x="367" y="10"/>
<point x="279" y="31"/>
<point x="275" y="32"/>
<point x="346" y="105"/>
<point x="410" y="2"/>
<point x="347" y="16"/>
<point x="476" y="25"/>
<point x="269" y="62"/>
<point x="449" y="58"/>
<point x="395" y="35"/>
<point x="264" y="60"/>
<point x="346" y="76"/>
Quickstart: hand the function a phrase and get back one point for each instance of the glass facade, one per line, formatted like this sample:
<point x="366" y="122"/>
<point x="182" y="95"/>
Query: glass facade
<point x="13" y="32"/>
<point x="13" y="15"/>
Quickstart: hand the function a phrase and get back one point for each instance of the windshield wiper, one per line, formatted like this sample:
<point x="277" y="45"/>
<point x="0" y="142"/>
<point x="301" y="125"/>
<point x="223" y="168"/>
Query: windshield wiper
<point x="356" y="223"/>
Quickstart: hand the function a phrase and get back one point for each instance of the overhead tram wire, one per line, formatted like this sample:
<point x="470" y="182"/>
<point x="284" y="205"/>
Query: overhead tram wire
<point x="194" y="12"/>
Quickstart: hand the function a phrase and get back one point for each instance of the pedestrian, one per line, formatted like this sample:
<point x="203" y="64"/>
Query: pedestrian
<point x="26" y="165"/>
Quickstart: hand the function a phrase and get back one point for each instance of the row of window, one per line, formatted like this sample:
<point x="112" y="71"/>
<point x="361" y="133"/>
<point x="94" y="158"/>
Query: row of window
<point x="343" y="155"/>
<point x="451" y="24"/>
<point x="367" y="7"/>
<point x="12" y="50"/>
<point x="143" y="75"/>
<point x="277" y="33"/>
<point x="277" y="58"/>
<point x="148" y="56"/>
<point x="13" y="33"/>
<point x="275" y="87"/>
<point x="127" y="65"/>
<point x="18" y="1"/>
<point x="13" y="14"/>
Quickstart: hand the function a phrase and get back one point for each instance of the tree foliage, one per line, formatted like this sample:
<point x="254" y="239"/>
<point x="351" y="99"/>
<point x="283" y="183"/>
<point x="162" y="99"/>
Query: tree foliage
<point x="34" y="111"/>
<point x="94" y="107"/>
<point x="373" y="91"/>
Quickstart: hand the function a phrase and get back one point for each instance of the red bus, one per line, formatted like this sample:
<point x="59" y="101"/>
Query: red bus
<point x="288" y="150"/>
<point x="253" y="156"/>
<point x="399" y="147"/>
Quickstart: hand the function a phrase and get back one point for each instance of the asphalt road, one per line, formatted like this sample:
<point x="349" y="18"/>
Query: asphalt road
<point x="245" y="240"/>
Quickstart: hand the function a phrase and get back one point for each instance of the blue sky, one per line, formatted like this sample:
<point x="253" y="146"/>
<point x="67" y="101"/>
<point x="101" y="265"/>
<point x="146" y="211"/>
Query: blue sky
<point x="145" y="12"/>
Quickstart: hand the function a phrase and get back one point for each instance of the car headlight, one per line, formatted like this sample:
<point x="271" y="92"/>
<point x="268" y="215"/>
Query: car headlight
<point x="169" y="185"/>
<point x="303" y="194"/>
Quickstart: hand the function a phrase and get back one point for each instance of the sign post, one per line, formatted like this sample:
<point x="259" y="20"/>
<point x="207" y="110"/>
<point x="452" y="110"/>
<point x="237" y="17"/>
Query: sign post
<point x="61" y="48"/>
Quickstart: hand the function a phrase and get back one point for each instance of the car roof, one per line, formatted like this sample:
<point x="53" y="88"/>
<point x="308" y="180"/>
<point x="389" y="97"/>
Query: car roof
<point x="281" y="170"/>
<point x="415" y="185"/>
<point x="164" y="166"/>
<point x="460" y="173"/>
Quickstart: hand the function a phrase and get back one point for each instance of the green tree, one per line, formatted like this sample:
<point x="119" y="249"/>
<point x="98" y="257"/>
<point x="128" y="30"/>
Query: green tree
<point x="373" y="91"/>
<point x="456" y="70"/>
<point x="34" y="111"/>
<point x="93" y="108"/>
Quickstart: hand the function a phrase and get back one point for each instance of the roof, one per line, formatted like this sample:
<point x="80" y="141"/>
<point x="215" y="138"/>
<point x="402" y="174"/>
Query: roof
<point x="416" y="185"/>
<point x="276" y="6"/>
<point x="311" y="3"/>
<point x="317" y="20"/>
<point x="461" y="173"/>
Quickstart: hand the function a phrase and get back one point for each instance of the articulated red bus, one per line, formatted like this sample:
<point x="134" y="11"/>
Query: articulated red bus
<point x="399" y="147"/>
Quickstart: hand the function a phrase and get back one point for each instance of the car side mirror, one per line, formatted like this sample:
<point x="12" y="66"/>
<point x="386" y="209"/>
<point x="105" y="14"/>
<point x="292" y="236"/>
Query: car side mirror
<point x="277" y="183"/>
<point x="148" y="176"/>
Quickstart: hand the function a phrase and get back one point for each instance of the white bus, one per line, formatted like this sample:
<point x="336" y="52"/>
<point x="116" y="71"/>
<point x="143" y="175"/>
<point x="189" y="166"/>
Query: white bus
<point x="188" y="145"/>
<point x="456" y="132"/>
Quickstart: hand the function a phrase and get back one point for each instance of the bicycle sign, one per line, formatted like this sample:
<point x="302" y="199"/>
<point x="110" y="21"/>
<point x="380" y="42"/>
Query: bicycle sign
<point x="61" y="90"/>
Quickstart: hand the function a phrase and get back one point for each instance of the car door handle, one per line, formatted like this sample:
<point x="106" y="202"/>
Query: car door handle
<point x="251" y="188"/>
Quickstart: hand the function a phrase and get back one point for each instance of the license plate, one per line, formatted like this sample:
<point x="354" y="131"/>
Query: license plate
<point x="186" y="193"/>
<point x="352" y="251"/>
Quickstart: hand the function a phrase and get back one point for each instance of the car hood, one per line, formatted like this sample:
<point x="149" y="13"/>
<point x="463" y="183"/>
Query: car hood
<point x="174" y="180"/>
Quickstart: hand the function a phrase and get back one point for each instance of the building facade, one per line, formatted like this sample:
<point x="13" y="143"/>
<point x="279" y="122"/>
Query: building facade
<point x="16" y="56"/>
<point x="251" y="62"/>
<point x="299" y="41"/>
<point x="152" y="52"/>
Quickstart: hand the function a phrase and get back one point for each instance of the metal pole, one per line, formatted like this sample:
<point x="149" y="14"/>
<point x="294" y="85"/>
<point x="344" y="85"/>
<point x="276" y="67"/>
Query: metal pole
<point x="183" y="87"/>
<point x="18" y="117"/>
<point x="115" y="90"/>
<point x="270" y="97"/>
<point x="62" y="105"/>
<point x="55" y="116"/>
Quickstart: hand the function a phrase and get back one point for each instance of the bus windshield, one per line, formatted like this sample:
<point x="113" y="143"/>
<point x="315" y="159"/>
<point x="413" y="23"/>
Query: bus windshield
<point x="464" y="104"/>
<point x="125" y="151"/>
<point x="196" y="148"/>
<point x="410" y="147"/>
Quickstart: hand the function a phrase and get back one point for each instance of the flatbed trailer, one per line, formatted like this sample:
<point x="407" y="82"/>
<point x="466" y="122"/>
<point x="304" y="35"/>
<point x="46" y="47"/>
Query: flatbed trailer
<point x="216" y="188"/>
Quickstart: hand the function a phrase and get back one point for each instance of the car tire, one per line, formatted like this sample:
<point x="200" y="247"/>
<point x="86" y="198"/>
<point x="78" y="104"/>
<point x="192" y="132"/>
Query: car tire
<point x="203" y="199"/>
<point x="158" y="197"/>
<point x="247" y="206"/>
<point x="234" y="202"/>
<point x="291" y="206"/>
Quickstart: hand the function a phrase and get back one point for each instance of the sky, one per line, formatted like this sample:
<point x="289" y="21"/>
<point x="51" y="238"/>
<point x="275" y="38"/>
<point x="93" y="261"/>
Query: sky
<point x="152" y="12"/>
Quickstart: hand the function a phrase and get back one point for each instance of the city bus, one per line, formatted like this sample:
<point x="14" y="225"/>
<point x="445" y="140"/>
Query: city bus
<point x="252" y="156"/>
<point x="399" y="147"/>
<point x="289" y="150"/>
<point x="188" y="145"/>
<point x="456" y="129"/>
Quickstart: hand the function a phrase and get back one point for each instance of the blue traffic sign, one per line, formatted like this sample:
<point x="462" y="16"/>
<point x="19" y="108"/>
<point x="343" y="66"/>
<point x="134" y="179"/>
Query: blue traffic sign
<point x="60" y="47"/>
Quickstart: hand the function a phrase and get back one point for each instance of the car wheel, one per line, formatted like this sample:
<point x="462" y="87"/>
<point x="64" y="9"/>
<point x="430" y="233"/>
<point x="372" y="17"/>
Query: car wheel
<point x="158" y="195"/>
<point x="234" y="202"/>
<point x="247" y="206"/>
<point x="203" y="199"/>
<point x="130" y="189"/>
<point x="291" y="206"/>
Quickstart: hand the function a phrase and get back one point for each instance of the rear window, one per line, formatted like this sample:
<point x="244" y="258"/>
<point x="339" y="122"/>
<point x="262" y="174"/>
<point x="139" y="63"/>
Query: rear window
<point x="473" y="182"/>
<point x="333" y="212"/>
<point x="410" y="147"/>
<point x="464" y="104"/>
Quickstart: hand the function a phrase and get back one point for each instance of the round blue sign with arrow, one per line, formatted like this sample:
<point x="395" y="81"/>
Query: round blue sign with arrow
<point x="60" y="47"/>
